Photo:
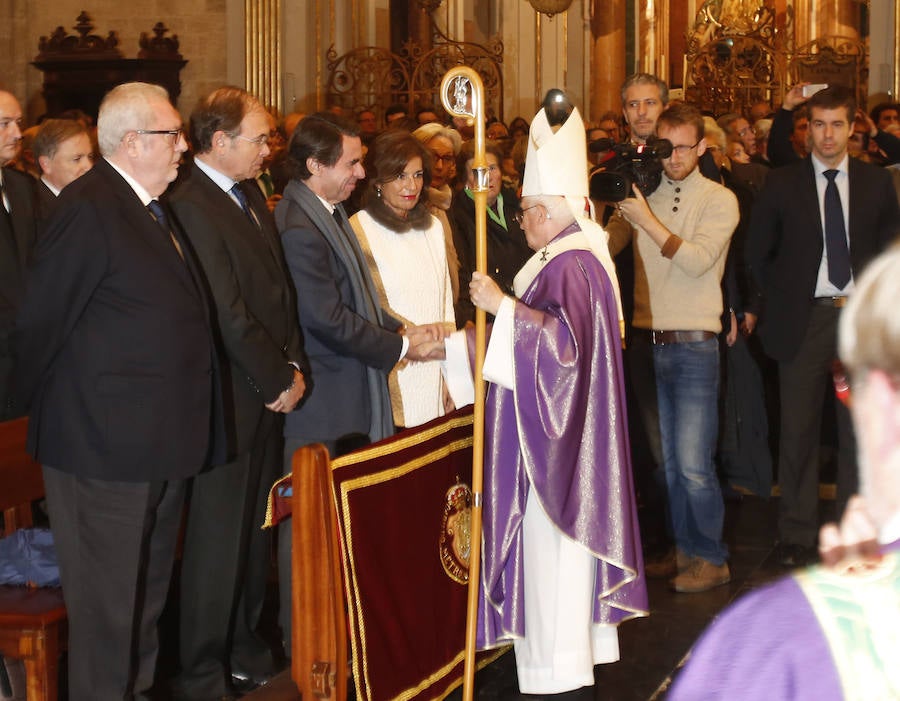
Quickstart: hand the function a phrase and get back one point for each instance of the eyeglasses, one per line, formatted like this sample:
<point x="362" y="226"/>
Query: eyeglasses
<point x="443" y="159"/>
<point x="258" y="141"/>
<point x="684" y="150"/>
<point x="176" y="134"/>
<point x="520" y="215"/>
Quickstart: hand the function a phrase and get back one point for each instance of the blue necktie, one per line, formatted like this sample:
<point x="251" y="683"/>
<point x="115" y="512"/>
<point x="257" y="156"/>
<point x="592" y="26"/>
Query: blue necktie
<point x="241" y="197"/>
<point x="835" y="235"/>
<point x="156" y="209"/>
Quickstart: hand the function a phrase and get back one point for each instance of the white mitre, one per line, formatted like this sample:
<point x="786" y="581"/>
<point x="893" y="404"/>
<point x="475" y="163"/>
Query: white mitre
<point x="556" y="164"/>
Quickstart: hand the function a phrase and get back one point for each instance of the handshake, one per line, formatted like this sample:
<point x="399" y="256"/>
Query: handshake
<point x="426" y="341"/>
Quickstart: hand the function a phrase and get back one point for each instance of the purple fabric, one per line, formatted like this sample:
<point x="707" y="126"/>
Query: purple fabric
<point x="563" y="435"/>
<point x="768" y="645"/>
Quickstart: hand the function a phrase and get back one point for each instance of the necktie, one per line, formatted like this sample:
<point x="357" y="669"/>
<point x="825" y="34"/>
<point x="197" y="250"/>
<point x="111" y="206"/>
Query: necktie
<point x="159" y="214"/>
<point x="266" y="179"/>
<point x="3" y="198"/>
<point x="241" y="197"/>
<point x="835" y="235"/>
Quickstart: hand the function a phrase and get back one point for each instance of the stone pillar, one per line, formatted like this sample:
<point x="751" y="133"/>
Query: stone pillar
<point x="263" y="52"/>
<point x="607" y="56"/>
<point x="814" y="19"/>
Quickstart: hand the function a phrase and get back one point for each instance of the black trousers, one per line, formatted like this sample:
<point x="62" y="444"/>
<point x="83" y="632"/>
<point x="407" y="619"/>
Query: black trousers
<point x="224" y="569"/>
<point x="116" y="547"/>
<point x="803" y="383"/>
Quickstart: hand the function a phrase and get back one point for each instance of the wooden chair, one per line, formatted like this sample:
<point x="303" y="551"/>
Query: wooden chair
<point x="32" y="621"/>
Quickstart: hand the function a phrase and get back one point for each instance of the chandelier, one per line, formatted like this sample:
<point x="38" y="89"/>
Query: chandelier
<point x="550" y="7"/>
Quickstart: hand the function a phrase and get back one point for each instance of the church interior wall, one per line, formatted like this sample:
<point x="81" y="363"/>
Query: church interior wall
<point x="539" y="52"/>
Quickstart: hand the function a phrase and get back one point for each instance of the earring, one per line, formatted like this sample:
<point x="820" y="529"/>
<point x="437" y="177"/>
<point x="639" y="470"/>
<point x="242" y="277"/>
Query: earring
<point x="378" y="192"/>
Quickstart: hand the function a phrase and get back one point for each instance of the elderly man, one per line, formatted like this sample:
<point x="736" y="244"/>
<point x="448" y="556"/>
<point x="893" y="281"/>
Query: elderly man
<point x="827" y="634"/>
<point x="226" y="554"/>
<point x="562" y="564"/>
<point x="16" y="240"/>
<point x="116" y="363"/>
<point x="64" y="153"/>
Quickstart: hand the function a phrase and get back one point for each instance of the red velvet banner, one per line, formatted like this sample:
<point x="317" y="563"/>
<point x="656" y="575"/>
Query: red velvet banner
<point x="402" y="512"/>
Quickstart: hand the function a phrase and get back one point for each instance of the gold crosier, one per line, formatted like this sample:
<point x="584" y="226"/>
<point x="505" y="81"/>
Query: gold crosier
<point x="462" y="94"/>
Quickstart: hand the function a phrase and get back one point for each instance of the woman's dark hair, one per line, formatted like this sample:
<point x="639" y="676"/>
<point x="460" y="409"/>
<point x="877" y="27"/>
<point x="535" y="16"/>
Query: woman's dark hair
<point x="388" y="156"/>
<point x="319" y="136"/>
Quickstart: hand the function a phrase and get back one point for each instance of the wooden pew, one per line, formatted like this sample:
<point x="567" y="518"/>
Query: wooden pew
<point x="32" y="621"/>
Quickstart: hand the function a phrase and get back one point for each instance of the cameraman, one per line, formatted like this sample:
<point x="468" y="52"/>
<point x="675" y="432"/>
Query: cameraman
<point x="681" y="234"/>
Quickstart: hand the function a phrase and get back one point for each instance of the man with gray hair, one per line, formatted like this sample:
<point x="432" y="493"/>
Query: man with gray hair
<point x="118" y="370"/>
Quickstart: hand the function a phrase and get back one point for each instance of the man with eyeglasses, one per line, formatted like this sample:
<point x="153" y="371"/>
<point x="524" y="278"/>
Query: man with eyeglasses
<point x="226" y="554"/>
<point x="117" y="364"/>
<point x="681" y="234"/>
<point x="16" y="239"/>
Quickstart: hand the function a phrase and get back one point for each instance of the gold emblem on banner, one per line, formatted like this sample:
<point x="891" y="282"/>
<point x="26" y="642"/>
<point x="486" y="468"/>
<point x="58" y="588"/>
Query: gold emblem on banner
<point x="455" y="541"/>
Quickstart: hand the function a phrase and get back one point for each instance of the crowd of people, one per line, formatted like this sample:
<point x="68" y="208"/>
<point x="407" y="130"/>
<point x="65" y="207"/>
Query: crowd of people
<point x="185" y="307"/>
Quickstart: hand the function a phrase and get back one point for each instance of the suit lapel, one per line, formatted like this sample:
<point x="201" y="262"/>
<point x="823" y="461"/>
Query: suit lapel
<point x="810" y="203"/>
<point x="146" y="227"/>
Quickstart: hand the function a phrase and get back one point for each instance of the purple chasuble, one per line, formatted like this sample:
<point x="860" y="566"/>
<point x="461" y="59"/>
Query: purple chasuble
<point x="562" y="438"/>
<point x="768" y="645"/>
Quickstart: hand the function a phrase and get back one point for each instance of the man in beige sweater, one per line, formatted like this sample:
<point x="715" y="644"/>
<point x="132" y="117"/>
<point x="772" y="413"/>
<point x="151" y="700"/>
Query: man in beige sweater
<point x="681" y="232"/>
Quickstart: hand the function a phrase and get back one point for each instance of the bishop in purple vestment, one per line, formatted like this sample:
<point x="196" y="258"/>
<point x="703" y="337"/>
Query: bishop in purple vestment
<point x="562" y="559"/>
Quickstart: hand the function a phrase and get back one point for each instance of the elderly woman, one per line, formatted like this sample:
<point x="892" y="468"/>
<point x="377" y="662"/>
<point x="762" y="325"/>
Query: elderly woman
<point x="404" y="248"/>
<point x="443" y="143"/>
<point x="507" y="250"/>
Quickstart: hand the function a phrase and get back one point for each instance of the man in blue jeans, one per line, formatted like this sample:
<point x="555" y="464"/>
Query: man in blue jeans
<point x="682" y="231"/>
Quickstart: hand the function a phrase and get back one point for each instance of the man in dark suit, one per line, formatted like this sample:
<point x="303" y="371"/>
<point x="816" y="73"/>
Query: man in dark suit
<point x="814" y="227"/>
<point x="226" y="553"/>
<point x="116" y="363"/>
<point x="351" y="341"/>
<point x="16" y="241"/>
<point x="63" y="150"/>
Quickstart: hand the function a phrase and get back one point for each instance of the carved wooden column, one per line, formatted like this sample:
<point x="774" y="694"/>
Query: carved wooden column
<point x="814" y="19"/>
<point x="262" y="43"/>
<point x="607" y="56"/>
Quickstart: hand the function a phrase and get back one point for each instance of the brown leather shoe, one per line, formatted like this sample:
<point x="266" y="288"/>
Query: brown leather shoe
<point x="701" y="575"/>
<point x="673" y="562"/>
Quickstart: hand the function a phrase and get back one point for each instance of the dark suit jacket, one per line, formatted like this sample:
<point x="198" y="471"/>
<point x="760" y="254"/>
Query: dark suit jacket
<point x="44" y="204"/>
<point x="244" y="269"/>
<point x="17" y="234"/>
<point x="341" y="342"/>
<point x="114" y="344"/>
<point x="785" y="242"/>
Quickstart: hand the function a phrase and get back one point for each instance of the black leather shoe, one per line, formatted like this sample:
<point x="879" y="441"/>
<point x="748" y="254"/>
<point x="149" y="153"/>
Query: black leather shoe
<point x="794" y="555"/>
<point x="244" y="682"/>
